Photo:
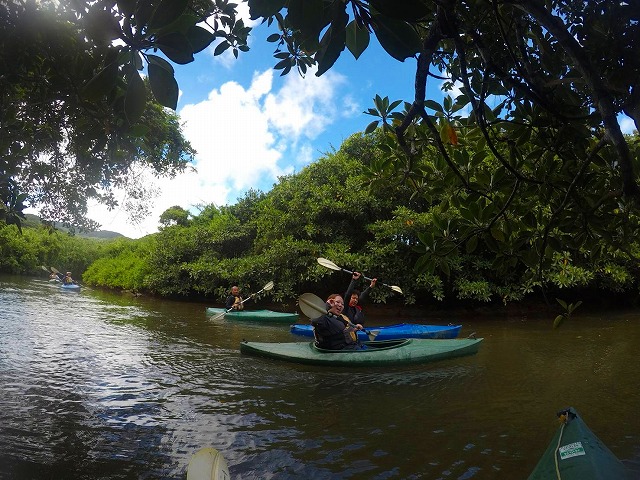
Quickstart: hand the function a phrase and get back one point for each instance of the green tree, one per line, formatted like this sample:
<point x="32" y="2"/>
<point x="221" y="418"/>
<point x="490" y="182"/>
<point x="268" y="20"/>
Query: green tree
<point x="175" y="215"/>
<point x="76" y="118"/>
<point x="541" y="86"/>
<point x="25" y="252"/>
<point x="526" y="164"/>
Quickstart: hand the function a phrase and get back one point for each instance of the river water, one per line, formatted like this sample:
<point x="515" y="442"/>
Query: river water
<point x="96" y="385"/>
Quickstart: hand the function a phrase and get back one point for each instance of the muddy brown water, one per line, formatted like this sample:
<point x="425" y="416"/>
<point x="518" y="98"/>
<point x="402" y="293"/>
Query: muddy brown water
<point x="100" y="385"/>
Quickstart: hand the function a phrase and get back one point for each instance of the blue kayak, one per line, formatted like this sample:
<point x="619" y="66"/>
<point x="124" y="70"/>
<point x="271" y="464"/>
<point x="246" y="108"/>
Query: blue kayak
<point x="70" y="286"/>
<point x="393" y="332"/>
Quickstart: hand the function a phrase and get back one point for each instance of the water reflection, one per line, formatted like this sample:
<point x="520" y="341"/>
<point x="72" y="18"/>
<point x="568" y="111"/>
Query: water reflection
<point x="96" y="385"/>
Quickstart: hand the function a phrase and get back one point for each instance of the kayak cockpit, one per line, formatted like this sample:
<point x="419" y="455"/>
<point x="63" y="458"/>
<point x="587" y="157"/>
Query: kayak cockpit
<point x="377" y="346"/>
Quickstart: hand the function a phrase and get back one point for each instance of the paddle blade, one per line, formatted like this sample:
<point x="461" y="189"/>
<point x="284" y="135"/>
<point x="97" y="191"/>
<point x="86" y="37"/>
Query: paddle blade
<point x="372" y="334"/>
<point x="44" y="268"/>
<point x="328" y="264"/>
<point x="395" y="288"/>
<point x="55" y="270"/>
<point x="268" y="286"/>
<point x="218" y="316"/>
<point x="312" y="305"/>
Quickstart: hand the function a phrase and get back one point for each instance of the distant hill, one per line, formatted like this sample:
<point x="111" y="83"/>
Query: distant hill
<point x="34" y="221"/>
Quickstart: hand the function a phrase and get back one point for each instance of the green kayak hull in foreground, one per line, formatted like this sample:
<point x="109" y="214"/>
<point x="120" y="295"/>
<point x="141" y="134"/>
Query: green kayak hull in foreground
<point x="254" y="315"/>
<point x="575" y="453"/>
<point x="378" y="354"/>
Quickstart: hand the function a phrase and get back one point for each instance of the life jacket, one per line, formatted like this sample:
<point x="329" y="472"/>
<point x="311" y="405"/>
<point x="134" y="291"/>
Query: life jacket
<point x="238" y="303"/>
<point x="333" y="332"/>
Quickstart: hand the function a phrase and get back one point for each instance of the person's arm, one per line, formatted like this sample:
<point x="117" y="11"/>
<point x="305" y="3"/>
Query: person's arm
<point x="352" y="285"/>
<point x="365" y="292"/>
<point x="230" y="301"/>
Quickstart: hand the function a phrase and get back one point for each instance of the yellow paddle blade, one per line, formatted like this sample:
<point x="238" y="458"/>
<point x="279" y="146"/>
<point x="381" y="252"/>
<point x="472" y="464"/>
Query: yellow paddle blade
<point x="312" y="305"/>
<point x="328" y="264"/>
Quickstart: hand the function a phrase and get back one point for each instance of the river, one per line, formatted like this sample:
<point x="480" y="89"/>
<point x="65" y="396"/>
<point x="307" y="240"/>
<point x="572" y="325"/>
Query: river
<point x="98" y="385"/>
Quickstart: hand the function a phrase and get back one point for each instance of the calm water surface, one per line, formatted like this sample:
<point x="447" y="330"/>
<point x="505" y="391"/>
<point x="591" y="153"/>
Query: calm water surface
<point x="97" y="385"/>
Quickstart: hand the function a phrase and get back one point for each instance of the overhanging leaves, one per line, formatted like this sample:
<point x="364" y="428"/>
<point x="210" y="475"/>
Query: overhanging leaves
<point x="163" y="85"/>
<point x="398" y="38"/>
<point x="135" y="98"/>
<point x="176" y="47"/>
<point x="333" y="41"/>
<point x="357" y="39"/>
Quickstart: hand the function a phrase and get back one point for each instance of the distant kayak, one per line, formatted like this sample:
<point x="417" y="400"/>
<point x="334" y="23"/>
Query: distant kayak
<point x="254" y="315"/>
<point x="70" y="286"/>
<point x="377" y="354"/>
<point x="393" y="332"/>
<point x="575" y="453"/>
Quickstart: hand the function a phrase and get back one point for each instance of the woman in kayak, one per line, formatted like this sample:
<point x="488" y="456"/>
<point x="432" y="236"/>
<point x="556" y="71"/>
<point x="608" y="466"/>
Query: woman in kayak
<point x="333" y="330"/>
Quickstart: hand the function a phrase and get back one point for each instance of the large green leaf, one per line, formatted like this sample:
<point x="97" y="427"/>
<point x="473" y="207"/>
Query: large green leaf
<point x="199" y="38"/>
<point x="160" y="62"/>
<point x="166" y="12"/>
<point x="398" y="38"/>
<point x="176" y="47"/>
<point x="135" y="99"/>
<point x="143" y="11"/>
<point x="333" y="41"/>
<point x="163" y="85"/>
<point x="265" y="8"/>
<point x="407" y="10"/>
<point x="102" y="83"/>
<point x="126" y="6"/>
<point x="357" y="39"/>
<point x="308" y="16"/>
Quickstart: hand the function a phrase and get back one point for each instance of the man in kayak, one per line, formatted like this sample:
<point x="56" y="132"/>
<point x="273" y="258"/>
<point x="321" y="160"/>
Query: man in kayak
<point x="353" y="310"/>
<point x="333" y="330"/>
<point x="234" y="301"/>
<point x="68" y="280"/>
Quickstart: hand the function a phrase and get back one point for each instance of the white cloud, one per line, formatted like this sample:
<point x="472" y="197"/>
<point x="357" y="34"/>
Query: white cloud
<point x="244" y="138"/>
<point x="627" y="125"/>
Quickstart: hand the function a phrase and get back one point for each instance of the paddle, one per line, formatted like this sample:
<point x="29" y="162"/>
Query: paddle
<point x="329" y="264"/>
<point x="57" y="272"/>
<point x="266" y="288"/>
<point x="47" y="270"/>
<point x="313" y="306"/>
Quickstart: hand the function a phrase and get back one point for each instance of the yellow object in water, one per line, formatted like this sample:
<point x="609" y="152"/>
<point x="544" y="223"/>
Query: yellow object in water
<point x="208" y="464"/>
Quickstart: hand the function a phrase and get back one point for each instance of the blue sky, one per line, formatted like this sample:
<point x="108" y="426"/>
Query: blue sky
<point x="249" y="125"/>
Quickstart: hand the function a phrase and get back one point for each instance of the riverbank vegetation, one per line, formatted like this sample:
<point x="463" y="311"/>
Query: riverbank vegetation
<point x="520" y="180"/>
<point x="336" y="208"/>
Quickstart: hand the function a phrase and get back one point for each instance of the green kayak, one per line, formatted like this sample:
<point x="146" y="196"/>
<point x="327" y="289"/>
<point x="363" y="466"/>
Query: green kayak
<point x="575" y="453"/>
<point x="254" y="315"/>
<point x="377" y="354"/>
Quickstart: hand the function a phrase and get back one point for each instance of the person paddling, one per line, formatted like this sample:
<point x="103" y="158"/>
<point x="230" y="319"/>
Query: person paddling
<point x="234" y="301"/>
<point x="353" y="309"/>
<point x="333" y="331"/>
